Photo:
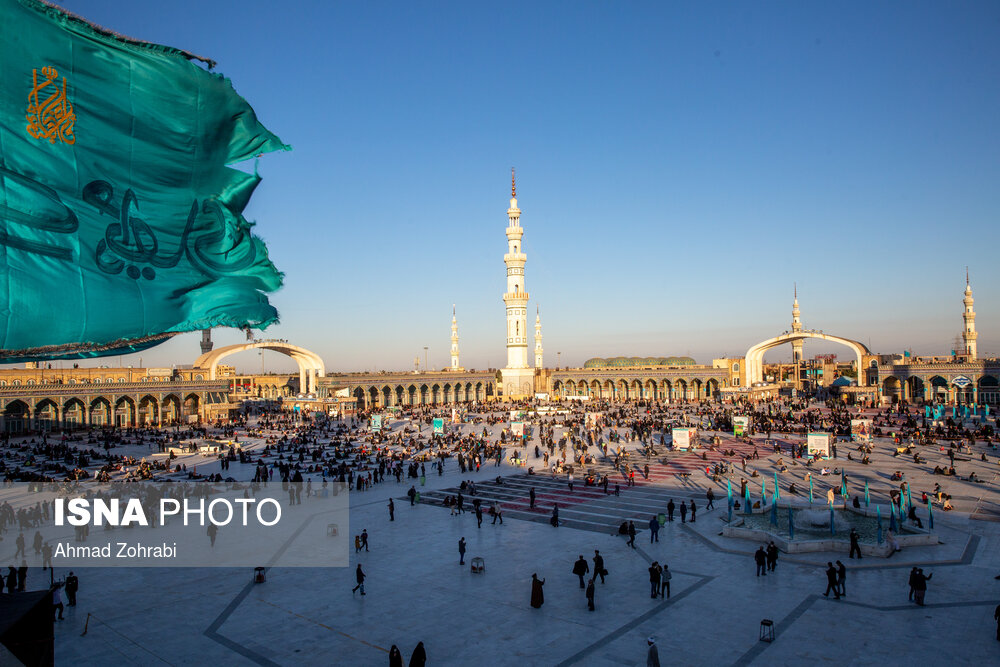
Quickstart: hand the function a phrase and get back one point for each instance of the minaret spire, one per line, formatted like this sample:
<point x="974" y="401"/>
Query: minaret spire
<point x="454" y="341"/>
<point x="517" y="376"/>
<point x="539" y="353"/>
<point x="969" y="334"/>
<point x="796" y="325"/>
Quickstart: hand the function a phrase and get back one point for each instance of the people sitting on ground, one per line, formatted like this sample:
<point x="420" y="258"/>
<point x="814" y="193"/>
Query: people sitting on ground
<point x="792" y="489"/>
<point x="973" y="478"/>
<point x="947" y="505"/>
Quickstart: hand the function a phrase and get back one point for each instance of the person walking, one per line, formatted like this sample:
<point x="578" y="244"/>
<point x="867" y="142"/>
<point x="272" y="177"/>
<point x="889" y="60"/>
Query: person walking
<point x="654" y="530"/>
<point x="652" y="655"/>
<point x="537" y="596"/>
<point x="665" y="578"/>
<point x="855" y="546"/>
<point x="364" y="538"/>
<point x="479" y="515"/>
<point x="590" y="596"/>
<point x="581" y="568"/>
<point x="831" y="581"/>
<point x="531" y="498"/>
<point x="693" y="510"/>
<point x="599" y="570"/>
<point x="392" y="517"/>
<point x="360" y="578"/>
<point x="772" y="557"/>
<point x="996" y="617"/>
<point x="711" y="500"/>
<point x="57" y="603"/>
<point x="920" y="586"/>
<point x="461" y="551"/>
<point x="684" y="512"/>
<point x="760" y="557"/>
<point x="670" y="510"/>
<point x="654" y="579"/>
<point x="497" y="514"/>
<point x="395" y="657"/>
<point x="912" y="579"/>
<point x="72" y="586"/>
<point x="419" y="656"/>
<point x="631" y="534"/>
<point x="554" y="519"/>
<point x="412" y="495"/>
<point x="842" y="578"/>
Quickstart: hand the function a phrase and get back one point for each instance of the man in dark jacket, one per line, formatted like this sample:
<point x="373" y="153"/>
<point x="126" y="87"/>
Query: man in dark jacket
<point x="772" y="556"/>
<point x="670" y="510"/>
<point x="72" y="586"/>
<point x="831" y="581"/>
<point x="760" y="557"/>
<point x="590" y="598"/>
<point x="920" y="585"/>
<point x="360" y="578"/>
<point x="654" y="579"/>
<point x="631" y="534"/>
<point x="581" y="568"/>
<point x="599" y="570"/>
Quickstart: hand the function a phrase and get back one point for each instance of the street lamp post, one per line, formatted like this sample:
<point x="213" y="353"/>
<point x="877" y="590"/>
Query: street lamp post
<point x="425" y="358"/>
<point x="558" y="360"/>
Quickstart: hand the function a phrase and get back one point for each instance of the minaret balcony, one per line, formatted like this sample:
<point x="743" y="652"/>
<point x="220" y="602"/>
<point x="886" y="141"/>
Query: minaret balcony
<point x="519" y="257"/>
<point x="515" y="296"/>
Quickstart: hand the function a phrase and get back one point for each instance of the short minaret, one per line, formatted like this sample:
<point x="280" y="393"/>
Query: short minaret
<point x="454" y="341"/>
<point x="539" y="355"/>
<point x="969" y="334"/>
<point x="796" y="327"/>
<point x="518" y="377"/>
<point x="206" y="341"/>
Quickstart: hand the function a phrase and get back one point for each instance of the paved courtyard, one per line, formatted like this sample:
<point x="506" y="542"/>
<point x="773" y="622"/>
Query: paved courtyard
<point x="417" y="591"/>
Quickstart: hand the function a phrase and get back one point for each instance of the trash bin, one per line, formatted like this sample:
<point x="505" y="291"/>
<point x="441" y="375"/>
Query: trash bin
<point x="478" y="565"/>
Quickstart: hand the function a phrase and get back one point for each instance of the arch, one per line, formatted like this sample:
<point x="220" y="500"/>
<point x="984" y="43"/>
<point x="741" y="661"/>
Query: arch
<point x="74" y="413"/>
<point x="681" y="389"/>
<point x="310" y="364"/>
<point x="100" y="411"/>
<point x="891" y="388"/>
<point x="755" y="355"/>
<point x="171" y="408"/>
<point x="149" y="410"/>
<point x="190" y="407"/>
<point x="480" y="392"/>
<point x="16" y="417"/>
<point x="711" y="388"/>
<point x="372" y="396"/>
<point x="124" y="412"/>
<point x="914" y="387"/>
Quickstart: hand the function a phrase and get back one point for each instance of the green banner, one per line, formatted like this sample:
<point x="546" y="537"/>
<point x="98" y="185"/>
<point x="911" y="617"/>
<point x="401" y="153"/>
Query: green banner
<point x="120" y="221"/>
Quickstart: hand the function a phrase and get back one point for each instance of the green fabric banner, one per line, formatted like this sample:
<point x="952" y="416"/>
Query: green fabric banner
<point x="120" y="221"/>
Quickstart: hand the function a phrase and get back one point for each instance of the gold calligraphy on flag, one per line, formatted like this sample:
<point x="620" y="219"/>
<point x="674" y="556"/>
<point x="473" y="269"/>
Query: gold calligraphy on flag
<point x="50" y="118"/>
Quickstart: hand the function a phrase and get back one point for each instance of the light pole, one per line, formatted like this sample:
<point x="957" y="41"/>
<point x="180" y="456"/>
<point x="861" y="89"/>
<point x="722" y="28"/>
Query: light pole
<point x="425" y="358"/>
<point x="558" y="360"/>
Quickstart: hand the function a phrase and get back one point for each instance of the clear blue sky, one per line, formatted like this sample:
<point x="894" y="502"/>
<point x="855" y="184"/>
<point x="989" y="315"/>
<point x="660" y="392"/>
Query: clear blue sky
<point x="679" y="165"/>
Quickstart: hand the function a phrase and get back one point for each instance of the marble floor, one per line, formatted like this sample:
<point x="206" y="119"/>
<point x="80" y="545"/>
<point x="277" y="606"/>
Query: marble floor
<point x="417" y="591"/>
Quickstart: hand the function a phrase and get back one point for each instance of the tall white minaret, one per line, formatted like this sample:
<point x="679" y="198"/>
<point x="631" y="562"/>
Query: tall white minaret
<point x="796" y="327"/>
<point x="969" y="334"/>
<point x="454" y="340"/>
<point x="539" y="356"/>
<point x="516" y="297"/>
<point x="518" y="378"/>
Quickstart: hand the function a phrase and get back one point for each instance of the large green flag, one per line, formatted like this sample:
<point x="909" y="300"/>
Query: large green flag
<point x="120" y="222"/>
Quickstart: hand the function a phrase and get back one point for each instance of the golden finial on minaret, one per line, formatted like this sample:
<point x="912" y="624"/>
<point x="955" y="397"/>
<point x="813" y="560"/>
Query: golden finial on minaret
<point x="513" y="185"/>
<point x="966" y="275"/>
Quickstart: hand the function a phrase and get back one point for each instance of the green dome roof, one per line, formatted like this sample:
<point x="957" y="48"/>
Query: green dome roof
<point x="637" y="362"/>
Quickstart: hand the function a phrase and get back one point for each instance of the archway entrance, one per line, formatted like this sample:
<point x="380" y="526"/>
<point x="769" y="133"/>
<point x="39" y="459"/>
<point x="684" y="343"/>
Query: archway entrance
<point x="755" y="355"/>
<point x="310" y="364"/>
